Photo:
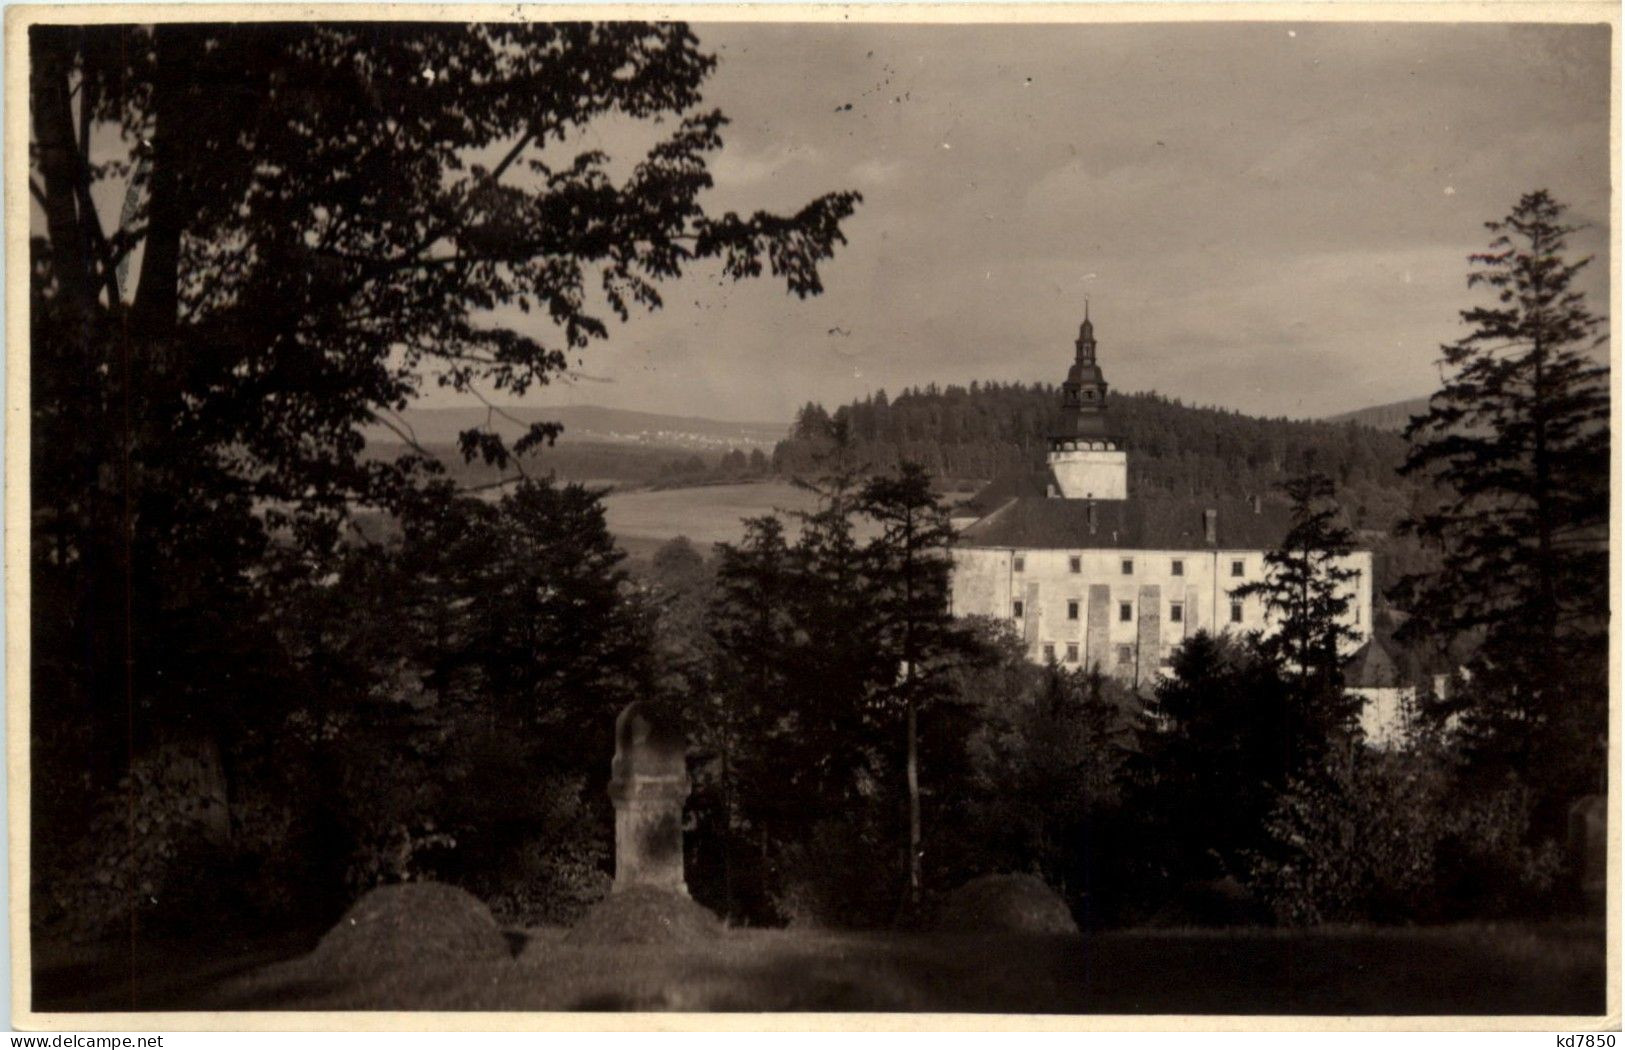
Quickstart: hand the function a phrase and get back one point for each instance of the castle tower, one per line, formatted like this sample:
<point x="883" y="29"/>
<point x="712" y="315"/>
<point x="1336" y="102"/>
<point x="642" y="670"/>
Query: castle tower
<point x="1085" y="455"/>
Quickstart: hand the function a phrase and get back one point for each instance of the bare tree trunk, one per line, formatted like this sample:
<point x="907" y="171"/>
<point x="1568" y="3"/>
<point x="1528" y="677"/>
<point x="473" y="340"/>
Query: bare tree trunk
<point x="913" y="805"/>
<point x="50" y="59"/>
<point x="157" y="289"/>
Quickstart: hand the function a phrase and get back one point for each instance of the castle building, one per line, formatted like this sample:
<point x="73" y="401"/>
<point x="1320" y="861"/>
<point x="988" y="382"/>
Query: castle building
<point x="1093" y="575"/>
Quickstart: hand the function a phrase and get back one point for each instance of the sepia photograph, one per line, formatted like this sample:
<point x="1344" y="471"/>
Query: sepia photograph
<point x="1057" y="513"/>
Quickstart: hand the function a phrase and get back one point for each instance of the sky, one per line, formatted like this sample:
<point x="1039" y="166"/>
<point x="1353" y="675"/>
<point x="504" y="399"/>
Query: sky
<point x="1269" y="217"/>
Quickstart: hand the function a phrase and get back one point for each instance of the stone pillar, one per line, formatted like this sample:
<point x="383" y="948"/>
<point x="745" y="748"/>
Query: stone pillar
<point x="1032" y="616"/>
<point x="1097" y="646"/>
<point x="1148" y="636"/>
<point x="1588" y="850"/>
<point x="648" y="784"/>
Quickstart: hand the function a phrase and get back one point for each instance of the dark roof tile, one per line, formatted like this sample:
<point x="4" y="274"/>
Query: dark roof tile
<point x="1137" y="523"/>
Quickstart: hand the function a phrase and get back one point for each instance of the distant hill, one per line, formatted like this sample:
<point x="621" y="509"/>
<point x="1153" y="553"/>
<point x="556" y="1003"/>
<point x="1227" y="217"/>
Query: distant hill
<point x="440" y="426"/>
<point x="1394" y="416"/>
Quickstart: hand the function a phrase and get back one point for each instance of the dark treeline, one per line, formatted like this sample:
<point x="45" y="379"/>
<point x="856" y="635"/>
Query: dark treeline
<point x="992" y="428"/>
<point x="1238" y="790"/>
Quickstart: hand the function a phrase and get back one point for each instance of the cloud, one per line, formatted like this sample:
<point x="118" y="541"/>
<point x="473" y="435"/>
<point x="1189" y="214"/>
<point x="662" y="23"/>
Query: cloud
<point x="1264" y="216"/>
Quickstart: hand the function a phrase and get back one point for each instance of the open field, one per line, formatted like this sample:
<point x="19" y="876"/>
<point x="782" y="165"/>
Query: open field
<point x="706" y="514"/>
<point x="1546" y="969"/>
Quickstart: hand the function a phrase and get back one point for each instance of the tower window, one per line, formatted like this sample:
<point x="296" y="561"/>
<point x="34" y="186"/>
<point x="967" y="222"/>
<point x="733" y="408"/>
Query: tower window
<point x="1076" y="563"/>
<point x="1072" y="609"/>
<point x="1238" y="568"/>
<point x="1071" y="652"/>
<point x="1179" y="567"/>
<point x="1016" y="609"/>
<point x="1018" y="564"/>
<point x="1128" y="566"/>
<point x="1235" y="612"/>
<point x="1125" y="654"/>
<point x="1176" y="612"/>
<point x="1125" y="612"/>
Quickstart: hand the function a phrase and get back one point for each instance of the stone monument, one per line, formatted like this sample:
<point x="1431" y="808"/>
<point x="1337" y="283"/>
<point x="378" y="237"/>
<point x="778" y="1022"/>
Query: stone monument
<point x="1588" y="850"/>
<point x="648" y="784"/>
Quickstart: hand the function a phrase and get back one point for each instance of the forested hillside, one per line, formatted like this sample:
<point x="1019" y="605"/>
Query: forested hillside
<point x="1394" y="416"/>
<point x="991" y="428"/>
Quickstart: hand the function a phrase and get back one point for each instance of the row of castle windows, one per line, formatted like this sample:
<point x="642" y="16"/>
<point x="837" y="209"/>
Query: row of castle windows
<point x="1125" y="610"/>
<point x="1087" y="446"/>
<point x="1125" y="653"/>
<point x="1238" y="567"/>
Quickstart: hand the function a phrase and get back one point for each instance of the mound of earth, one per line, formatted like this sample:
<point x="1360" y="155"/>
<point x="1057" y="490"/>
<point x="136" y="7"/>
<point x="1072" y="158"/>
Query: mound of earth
<point x="644" y="915"/>
<point x="1005" y="904"/>
<point x="412" y="920"/>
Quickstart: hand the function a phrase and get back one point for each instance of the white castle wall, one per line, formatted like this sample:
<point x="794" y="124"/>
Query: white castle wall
<point x="1091" y="473"/>
<point x="988" y="581"/>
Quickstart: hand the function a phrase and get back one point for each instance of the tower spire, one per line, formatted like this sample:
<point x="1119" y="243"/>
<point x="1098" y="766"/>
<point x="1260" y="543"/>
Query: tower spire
<point x="1086" y="455"/>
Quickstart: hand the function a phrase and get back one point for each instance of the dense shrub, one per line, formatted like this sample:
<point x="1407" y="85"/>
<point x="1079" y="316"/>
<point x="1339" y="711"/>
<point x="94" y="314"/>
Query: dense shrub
<point x="839" y="877"/>
<point x="1391" y="837"/>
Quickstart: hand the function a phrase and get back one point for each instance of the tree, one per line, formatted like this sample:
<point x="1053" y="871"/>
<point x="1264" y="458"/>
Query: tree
<point x="1048" y="750"/>
<point x="1518" y="440"/>
<point x="1218" y="741"/>
<point x="321" y="222"/>
<point x="909" y="582"/>
<point x="751" y="623"/>
<point x="1306" y="590"/>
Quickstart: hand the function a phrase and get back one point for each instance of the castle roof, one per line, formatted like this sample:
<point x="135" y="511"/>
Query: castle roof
<point x="1029" y="519"/>
<point x="1372" y="667"/>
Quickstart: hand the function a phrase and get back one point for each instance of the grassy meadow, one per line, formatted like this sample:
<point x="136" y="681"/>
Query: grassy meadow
<point x="1467" y="970"/>
<point x="643" y="519"/>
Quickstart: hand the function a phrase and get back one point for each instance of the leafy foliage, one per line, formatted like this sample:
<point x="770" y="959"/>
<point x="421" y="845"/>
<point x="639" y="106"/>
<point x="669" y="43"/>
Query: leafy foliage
<point x="324" y="221"/>
<point x="1382" y="837"/>
<point x="1220" y="738"/>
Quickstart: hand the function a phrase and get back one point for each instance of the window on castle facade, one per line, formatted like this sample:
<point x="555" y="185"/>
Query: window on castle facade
<point x="1076" y="563"/>
<point x="1235" y="612"/>
<point x="1016" y="609"/>
<point x="1019" y="564"/>
<point x="1125" y="654"/>
<point x="1072" y="609"/>
<point x="1125" y="612"/>
<point x="1071" y="652"/>
<point x="1238" y="568"/>
<point x="1179" y="567"/>
<point x="1049" y="652"/>
<point x="1176" y="612"/>
<point x="1128" y="566"/>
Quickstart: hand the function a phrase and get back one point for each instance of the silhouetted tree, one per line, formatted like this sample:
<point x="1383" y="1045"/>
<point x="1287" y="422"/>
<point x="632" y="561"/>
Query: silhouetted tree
<point x="908" y="585"/>
<point x="1518" y="440"/>
<point x="1218" y="741"/>
<point x="1306" y="589"/>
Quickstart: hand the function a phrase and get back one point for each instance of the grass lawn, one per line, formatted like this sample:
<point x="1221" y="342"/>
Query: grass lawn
<point x="706" y="514"/>
<point x="1546" y="969"/>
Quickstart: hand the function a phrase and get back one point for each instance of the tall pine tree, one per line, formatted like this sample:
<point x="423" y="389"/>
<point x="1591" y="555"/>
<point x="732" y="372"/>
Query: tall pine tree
<point x="909" y="580"/>
<point x="1308" y="594"/>
<point x="1518" y="440"/>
